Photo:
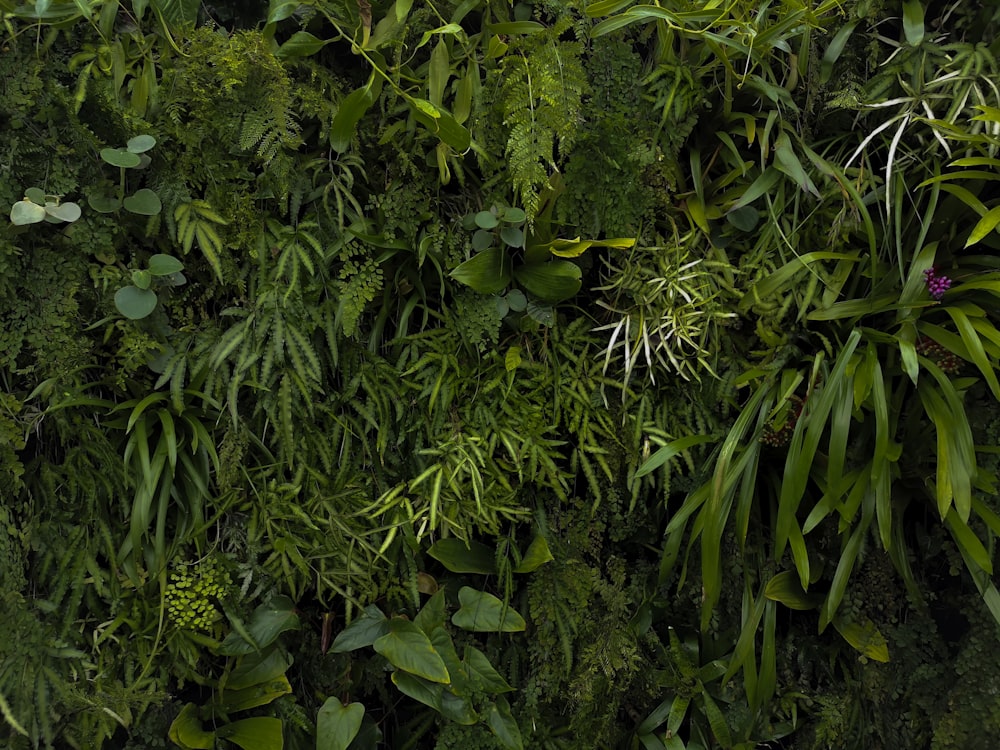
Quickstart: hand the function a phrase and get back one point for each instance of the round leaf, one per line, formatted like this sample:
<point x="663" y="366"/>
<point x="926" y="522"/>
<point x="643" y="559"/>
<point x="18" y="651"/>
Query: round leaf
<point x="68" y="212"/>
<point x="26" y="212"/>
<point x="119" y="157"/>
<point x="104" y="204"/>
<point x="486" y="220"/>
<point x="142" y="279"/>
<point x="135" y="303"/>
<point x="35" y="195"/>
<point x="407" y="647"/>
<point x="513" y="216"/>
<point x="164" y="265"/>
<point x="140" y="143"/>
<point x="502" y="307"/>
<point x="469" y="222"/>
<point x="517" y="300"/>
<point x="481" y="240"/>
<point x="176" y="279"/>
<point x="145" y="203"/>
<point x="513" y="236"/>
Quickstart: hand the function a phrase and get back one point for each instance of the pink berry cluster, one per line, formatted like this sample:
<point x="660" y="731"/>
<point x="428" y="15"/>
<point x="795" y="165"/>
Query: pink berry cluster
<point x="936" y="285"/>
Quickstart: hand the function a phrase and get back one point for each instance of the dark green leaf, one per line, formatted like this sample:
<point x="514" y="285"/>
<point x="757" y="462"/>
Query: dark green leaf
<point x="363" y="631"/>
<point x="135" y="303"/>
<point x="267" y="622"/>
<point x="487" y="272"/>
<point x="554" y="281"/>
<point x="502" y="724"/>
<point x="351" y="109"/>
<point x="164" y="265"/>
<point x="458" y="557"/>
<point x="258" y="733"/>
<point x="120" y="157"/>
<point x="300" y="44"/>
<point x="145" y="203"/>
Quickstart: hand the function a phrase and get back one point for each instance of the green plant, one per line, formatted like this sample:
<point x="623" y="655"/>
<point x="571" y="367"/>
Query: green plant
<point x="37" y="206"/>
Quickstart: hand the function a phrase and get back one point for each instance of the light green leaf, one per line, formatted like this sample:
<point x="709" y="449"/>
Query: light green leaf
<point x="142" y="278"/>
<point x="786" y="588"/>
<point x="26" y="212"/>
<point x="487" y="272"/>
<point x="407" y="647"/>
<point x="36" y="195"/>
<point x="164" y="265"/>
<point x="864" y="637"/>
<point x="300" y="44"/>
<point x="511" y="28"/>
<point x="120" y="157"/>
<point x="186" y="730"/>
<point x="233" y="701"/>
<point x="258" y="733"/>
<point x="337" y="725"/>
<point x="913" y="21"/>
<point x="140" y="144"/>
<point x="350" y="111"/>
<point x="537" y="555"/>
<point x="668" y="451"/>
<point x="984" y="226"/>
<point x="267" y="622"/>
<point x="484" y="613"/>
<point x="68" y="212"/>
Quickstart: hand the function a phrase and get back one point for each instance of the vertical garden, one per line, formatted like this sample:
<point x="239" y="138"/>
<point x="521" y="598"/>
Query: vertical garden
<point x="482" y="375"/>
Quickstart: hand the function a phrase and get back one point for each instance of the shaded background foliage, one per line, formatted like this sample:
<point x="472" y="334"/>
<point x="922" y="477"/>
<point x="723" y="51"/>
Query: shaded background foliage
<point x="615" y="312"/>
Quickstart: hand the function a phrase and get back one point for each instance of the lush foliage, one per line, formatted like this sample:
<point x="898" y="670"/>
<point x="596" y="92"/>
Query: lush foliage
<point x="467" y="375"/>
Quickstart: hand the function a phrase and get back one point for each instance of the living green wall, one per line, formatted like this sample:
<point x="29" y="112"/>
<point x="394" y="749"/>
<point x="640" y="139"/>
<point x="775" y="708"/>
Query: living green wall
<point x="476" y="375"/>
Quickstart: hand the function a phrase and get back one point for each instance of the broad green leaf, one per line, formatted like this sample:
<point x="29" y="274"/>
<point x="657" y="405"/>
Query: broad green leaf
<point x="233" y="701"/>
<point x="459" y="557"/>
<point x="439" y="122"/>
<point x="486" y="220"/>
<point x="502" y="724"/>
<point x="482" y="672"/>
<point x="120" y="157"/>
<point x="512" y="236"/>
<point x="267" y="622"/>
<point x="337" y="725"/>
<point x="967" y="540"/>
<point x="135" y="303"/>
<point x="300" y="44"/>
<point x="984" y="226"/>
<point x="26" y="212"/>
<point x="407" y="647"/>
<point x="537" y="555"/>
<point x="177" y="12"/>
<point x="68" y="212"/>
<point x="257" y="669"/>
<point x="363" y="631"/>
<point x="258" y="733"/>
<point x="835" y="49"/>
<point x="744" y="219"/>
<point x="187" y="732"/>
<point x="554" y="281"/>
<point x="913" y="21"/>
<point x="606" y="7"/>
<point x="864" y="637"/>
<point x="438" y="72"/>
<point x="164" y="265"/>
<point x="428" y="693"/>
<point x="786" y="588"/>
<point x="487" y="272"/>
<point x="484" y="613"/>
<point x="140" y="144"/>
<point x="145" y="203"/>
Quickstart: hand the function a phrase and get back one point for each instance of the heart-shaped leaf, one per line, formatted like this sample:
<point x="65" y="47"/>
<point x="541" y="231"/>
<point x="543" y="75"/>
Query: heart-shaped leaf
<point x="363" y="631"/>
<point x="135" y="303"/>
<point x="337" y="724"/>
<point x="257" y="733"/>
<point x="120" y="157"/>
<point x="145" y="203"/>
<point x="407" y="647"/>
<point x="487" y="272"/>
<point x="68" y="212"/>
<point x="104" y="204"/>
<point x="484" y="613"/>
<point x="458" y="557"/>
<point x="26" y="212"/>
